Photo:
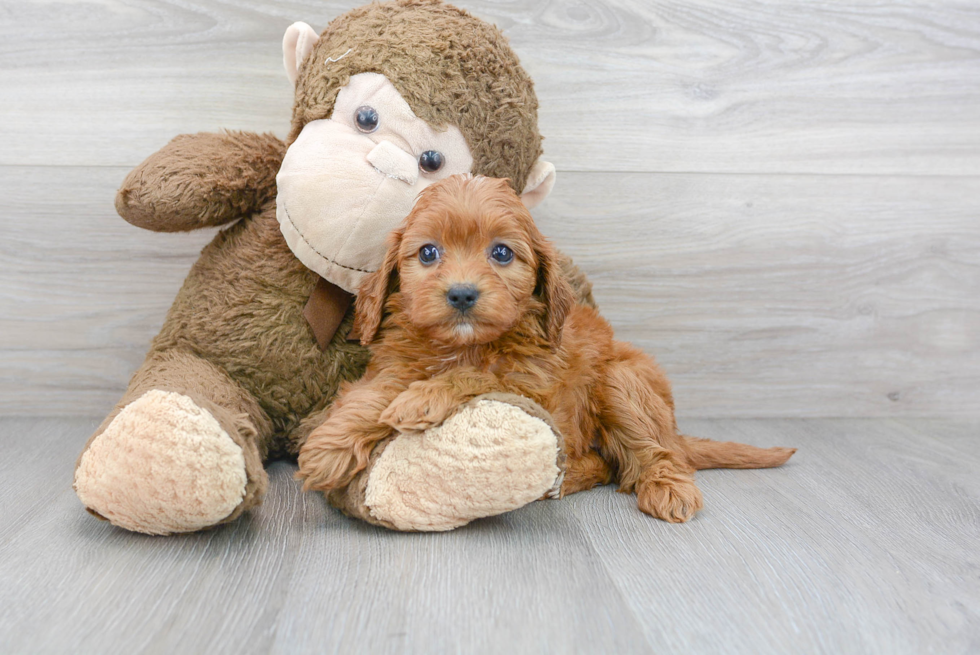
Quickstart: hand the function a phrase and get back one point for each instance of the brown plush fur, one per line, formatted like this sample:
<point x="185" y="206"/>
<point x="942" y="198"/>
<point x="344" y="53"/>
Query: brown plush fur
<point x="524" y="335"/>
<point x="213" y="390"/>
<point x="241" y="307"/>
<point x="451" y="68"/>
<point x="235" y="338"/>
<point x="199" y="180"/>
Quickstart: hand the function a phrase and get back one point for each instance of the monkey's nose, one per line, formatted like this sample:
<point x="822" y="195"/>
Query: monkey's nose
<point x="394" y="162"/>
<point x="462" y="296"/>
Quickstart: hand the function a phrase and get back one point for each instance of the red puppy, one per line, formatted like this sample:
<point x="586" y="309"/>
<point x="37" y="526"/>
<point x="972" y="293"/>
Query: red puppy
<point x="470" y="300"/>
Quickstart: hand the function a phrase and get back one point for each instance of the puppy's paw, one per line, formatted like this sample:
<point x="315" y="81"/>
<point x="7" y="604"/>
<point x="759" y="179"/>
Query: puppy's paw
<point x="325" y="465"/>
<point x="415" y="409"/>
<point x="675" y="500"/>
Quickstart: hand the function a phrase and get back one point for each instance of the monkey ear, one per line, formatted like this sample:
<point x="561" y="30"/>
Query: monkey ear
<point x="540" y="182"/>
<point x="296" y="45"/>
<point x="553" y="289"/>
<point x="370" y="304"/>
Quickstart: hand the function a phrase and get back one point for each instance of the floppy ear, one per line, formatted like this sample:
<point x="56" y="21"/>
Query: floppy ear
<point x="370" y="304"/>
<point x="553" y="289"/>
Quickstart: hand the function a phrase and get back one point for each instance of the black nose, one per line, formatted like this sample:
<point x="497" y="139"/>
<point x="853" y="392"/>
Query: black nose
<point x="462" y="296"/>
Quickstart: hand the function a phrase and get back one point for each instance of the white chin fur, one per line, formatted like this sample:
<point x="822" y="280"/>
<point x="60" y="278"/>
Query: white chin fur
<point x="463" y="330"/>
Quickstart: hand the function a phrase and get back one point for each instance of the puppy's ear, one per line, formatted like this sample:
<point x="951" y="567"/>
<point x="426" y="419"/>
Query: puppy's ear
<point x="552" y="288"/>
<point x="370" y="304"/>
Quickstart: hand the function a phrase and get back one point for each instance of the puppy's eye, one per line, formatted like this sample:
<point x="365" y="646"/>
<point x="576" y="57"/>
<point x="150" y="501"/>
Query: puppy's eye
<point x="367" y="119"/>
<point x="430" y="161"/>
<point x="428" y="254"/>
<point x="502" y="254"/>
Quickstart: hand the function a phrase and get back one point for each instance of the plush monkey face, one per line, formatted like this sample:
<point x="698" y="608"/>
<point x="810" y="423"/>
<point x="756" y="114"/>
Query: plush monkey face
<point x="348" y="180"/>
<point x="389" y="99"/>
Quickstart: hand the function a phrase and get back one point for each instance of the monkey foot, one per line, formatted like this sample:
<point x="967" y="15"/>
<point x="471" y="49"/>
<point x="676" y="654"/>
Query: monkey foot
<point x="163" y="465"/>
<point x="492" y="456"/>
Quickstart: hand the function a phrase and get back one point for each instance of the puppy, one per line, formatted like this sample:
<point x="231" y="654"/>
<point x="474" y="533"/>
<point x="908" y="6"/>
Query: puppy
<point x="470" y="300"/>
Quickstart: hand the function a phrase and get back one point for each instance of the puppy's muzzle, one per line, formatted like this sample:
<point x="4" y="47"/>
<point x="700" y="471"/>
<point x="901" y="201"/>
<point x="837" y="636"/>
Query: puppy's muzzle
<point x="462" y="296"/>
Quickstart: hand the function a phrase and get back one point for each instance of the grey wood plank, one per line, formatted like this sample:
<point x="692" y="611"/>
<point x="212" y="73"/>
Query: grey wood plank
<point x="292" y="576"/>
<point x="37" y="468"/>
<point x="864" y="543"/>
<point x="788" y="295"/>
<point x="760" y="295"/>
<point x="525" y="582"/>
<point x="625" y="85"/>
<point x="743" y="87"/>
<point x="958" y="439"/>
<point x="71" y="583"/>
<point x="83" y="292"/>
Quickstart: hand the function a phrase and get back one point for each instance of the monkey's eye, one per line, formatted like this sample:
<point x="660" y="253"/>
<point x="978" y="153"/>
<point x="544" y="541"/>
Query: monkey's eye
<point x="366" y="118"/>
<point x="430" y="161"/>
<point x="502" y="254"/>
<point x="428" y="254"/>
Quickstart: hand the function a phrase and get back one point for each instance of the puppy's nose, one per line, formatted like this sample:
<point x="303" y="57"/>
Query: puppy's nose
<point x="462" y="296"/>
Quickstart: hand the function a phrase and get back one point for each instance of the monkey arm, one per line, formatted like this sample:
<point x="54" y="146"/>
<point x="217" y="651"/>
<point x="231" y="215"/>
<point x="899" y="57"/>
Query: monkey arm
<point x="200" y="180"/>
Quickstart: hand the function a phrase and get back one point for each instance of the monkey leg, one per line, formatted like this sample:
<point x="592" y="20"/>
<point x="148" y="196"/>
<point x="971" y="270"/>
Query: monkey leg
<point x="182" y="451"/>
<point x="497" y="453"/>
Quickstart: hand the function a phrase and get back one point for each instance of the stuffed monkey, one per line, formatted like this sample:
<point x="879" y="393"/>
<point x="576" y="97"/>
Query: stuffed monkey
<point x="389" y="99"/>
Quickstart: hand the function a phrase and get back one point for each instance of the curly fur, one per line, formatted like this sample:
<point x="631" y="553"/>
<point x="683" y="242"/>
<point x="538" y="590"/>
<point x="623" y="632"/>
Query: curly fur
<point x="525" y="335"/>
<point x="451" y="68"/>
<point x="239" y="314"/>
<point x="202" y="180"/>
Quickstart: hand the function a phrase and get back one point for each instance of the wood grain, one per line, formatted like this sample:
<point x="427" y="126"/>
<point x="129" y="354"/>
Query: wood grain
<point x="780" y="201"/>
<point x="814" y="545"/>
<point x="624" y="85"/>
<point x="760" y="295"/>
<point x="528" y="581"/>
<point x="864" y="543"/>
<point x="788" y="295"/>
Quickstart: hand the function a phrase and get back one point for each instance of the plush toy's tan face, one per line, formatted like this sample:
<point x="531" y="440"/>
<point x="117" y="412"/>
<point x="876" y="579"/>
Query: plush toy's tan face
<point x="348" y="180"/>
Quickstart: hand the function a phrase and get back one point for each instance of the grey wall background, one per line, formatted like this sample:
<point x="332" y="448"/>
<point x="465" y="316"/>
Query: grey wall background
<point x="781" y="201"/>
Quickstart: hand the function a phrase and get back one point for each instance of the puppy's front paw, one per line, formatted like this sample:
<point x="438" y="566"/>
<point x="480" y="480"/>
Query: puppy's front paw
<point x="674" y="501"/>
<point x="324" y="466"/>
<point x="414" y="409"/>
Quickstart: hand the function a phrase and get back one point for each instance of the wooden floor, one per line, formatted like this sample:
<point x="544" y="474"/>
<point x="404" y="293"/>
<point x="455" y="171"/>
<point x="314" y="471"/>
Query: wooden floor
<point x="867" y="542"/>
<point x="779" y="200"/>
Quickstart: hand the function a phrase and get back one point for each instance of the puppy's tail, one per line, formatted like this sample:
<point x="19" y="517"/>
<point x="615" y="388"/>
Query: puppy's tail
<point x="708" y="454"/>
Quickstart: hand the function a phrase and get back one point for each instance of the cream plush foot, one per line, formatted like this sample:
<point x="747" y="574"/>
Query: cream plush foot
<point x="495" y="454"/>
<point x="162" y="465"/>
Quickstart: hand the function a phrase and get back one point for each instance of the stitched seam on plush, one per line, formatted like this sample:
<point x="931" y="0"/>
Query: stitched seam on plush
<point x="313" y="248"/>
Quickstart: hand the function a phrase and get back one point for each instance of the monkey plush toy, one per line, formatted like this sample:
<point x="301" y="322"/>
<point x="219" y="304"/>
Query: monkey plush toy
<point x="388" y="99"/>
